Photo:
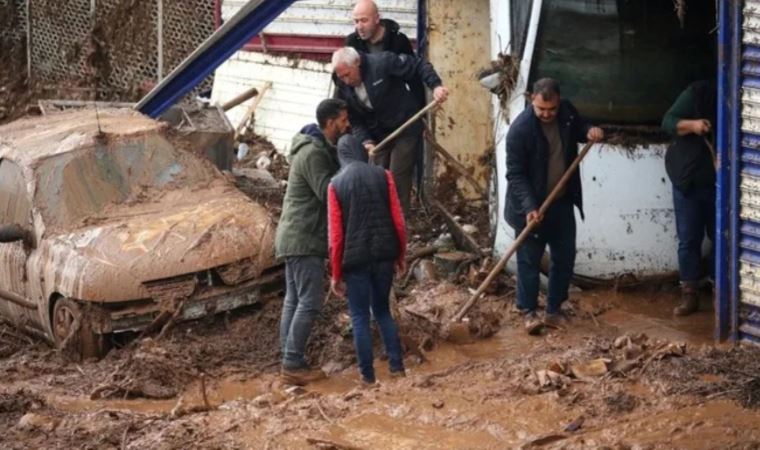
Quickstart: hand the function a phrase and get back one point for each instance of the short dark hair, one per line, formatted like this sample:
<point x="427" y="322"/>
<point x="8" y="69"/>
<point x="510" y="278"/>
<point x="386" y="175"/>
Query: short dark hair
<point x="547" y="87"/>
<point x="329" y="109"/>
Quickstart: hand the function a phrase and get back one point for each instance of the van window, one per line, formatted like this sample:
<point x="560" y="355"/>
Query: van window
<point x="625" y="62"/>
<point x="15" y="206"/>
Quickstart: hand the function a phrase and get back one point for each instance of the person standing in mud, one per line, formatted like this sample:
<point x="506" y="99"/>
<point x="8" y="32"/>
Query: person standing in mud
<point x="541" y="144"/>
<point x="690" y="165"/>
<point x="374" y="86"/>
<point x="367" y="238"/>
<point x="301" y="236"/>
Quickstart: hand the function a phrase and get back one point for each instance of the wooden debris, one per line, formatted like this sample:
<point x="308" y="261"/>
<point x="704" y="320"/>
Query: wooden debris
<point x="463" y="240"/>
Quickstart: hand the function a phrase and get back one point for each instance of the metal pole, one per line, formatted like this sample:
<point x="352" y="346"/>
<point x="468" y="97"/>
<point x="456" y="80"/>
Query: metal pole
<point x="29" y="40"/>
<point x="160" y="40"/>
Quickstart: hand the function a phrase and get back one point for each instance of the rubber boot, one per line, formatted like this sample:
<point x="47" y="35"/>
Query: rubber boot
<point x="689" y="302"/>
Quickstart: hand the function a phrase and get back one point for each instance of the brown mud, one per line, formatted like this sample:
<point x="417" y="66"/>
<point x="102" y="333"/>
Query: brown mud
<point x="619" y="374"/>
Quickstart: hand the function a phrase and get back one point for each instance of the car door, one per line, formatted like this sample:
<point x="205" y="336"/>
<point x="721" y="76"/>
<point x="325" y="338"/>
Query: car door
<point x="15" y="208"/>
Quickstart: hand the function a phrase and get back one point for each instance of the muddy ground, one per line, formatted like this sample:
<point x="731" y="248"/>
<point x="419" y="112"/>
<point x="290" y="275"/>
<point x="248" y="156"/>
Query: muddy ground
<point x="620" y="374"/>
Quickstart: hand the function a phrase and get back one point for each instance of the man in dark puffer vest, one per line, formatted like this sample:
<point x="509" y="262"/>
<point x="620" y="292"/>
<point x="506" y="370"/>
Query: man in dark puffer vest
<point x="367" y="236"/>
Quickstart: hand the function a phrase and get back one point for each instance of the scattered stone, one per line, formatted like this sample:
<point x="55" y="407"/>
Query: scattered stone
<point x="591" y="369"/>
<point x="33" y="421"/>
<point x="438" y="404"/>
<point x="469" y="229"/>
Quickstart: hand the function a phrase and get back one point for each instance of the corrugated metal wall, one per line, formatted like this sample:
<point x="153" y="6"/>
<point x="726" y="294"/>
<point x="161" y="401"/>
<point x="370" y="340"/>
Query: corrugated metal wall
<point x="113" y="44"/>
<point x="749" y="181"/>
<point x="330" y="17"/>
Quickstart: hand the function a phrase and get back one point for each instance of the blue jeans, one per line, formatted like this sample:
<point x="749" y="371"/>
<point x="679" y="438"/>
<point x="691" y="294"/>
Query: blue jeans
<point x="369" y="287"/>
<point x="304" y="291"/>
<point x="558" y="230"/>
<point x="695" y="217"/>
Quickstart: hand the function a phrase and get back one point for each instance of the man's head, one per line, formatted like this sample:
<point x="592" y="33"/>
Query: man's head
<point x="367" y="21"/>
<point x="346" y="62"/>
<point x="332" y="117"/>
<point x="351" y="150"/>
<point x="545" y="99"/>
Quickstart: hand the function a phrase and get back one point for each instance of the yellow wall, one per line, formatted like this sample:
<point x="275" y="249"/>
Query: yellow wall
<point x="459" y="46"/>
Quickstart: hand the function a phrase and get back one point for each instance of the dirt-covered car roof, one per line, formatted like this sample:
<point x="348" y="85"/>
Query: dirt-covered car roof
<point x="31" y="139"/>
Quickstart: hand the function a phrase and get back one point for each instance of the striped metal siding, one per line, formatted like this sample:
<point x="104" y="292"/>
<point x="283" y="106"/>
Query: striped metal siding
<point x="749" y="182"/>
<point x="330" y="17"/>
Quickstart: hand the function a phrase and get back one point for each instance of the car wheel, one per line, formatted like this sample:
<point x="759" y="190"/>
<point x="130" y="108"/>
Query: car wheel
<point x="73" y="333"/>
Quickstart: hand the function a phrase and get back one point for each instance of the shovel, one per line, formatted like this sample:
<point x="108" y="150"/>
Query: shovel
<point x="456" y="328"/>
<point x="403" y="127"/>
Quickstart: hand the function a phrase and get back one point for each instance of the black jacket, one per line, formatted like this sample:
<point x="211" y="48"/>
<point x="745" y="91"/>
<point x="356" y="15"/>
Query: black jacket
<point x="528" y="159"/>
<point x="688" y="160"/>
<point x="385" y="75"/>
<point x="396" y="42"/>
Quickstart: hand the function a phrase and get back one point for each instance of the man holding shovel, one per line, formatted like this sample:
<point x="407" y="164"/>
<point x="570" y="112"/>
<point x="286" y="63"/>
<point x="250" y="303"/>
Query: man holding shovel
<point x="374" y="87"/>
<point x="541" y="144"/>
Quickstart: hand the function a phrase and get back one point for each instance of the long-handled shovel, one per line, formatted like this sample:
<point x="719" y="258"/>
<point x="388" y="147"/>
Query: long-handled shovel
<point x="403" y="127"/>
<point x="521" y="238"/>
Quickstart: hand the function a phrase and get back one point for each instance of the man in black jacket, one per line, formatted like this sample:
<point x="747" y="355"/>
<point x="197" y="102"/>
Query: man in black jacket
<point x="374" y="87"/>
<point x="541" y="144"/>
<point x="374" y="35"/>
<point x="691" y="168"/>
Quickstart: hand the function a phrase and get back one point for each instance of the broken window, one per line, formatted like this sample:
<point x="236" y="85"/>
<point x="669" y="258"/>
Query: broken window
<point x="625" y="61"/>
<point x="14" y="202"/>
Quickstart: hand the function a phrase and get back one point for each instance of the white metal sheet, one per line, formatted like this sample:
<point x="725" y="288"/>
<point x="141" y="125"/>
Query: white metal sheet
<point x="330" y="17"/>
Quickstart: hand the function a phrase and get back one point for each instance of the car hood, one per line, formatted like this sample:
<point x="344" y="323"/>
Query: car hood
<point x="111" y="261"/>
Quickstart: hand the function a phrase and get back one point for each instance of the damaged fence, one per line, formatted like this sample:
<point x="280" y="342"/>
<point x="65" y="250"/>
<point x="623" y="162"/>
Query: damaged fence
<point x="119" y="47"/>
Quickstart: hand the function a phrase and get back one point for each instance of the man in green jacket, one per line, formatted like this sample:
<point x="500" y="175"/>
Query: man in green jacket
<point x="302" y="234"/>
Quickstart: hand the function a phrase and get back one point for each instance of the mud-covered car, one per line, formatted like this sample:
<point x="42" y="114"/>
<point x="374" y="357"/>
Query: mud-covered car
<point x="108" y="227"/>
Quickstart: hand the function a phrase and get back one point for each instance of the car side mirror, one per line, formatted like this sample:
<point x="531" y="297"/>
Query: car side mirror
<point x="14" y="232"/>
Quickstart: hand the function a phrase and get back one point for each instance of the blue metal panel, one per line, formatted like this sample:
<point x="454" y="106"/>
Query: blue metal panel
<point x="247" y="23"/>
<point x="745" y="178"/>
<point x="726" y="127"/>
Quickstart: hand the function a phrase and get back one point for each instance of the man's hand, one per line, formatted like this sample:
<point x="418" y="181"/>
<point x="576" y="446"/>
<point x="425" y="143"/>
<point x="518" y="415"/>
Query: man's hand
<point x="534" y="216"/>
<point x="440" y="94"/>
<point x="700" y="126"/>
<point x="338" y="288"/>
<point x="595" y="134"/>
<point x="370" y="147"/>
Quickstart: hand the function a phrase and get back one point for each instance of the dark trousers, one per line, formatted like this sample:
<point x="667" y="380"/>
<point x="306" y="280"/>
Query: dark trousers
<point x="399" y="157"/>
<point x="695" y="217"/>
<point x="369" y="287"/>
<point x="304" y="277"/>
<point x="557" y="230"/>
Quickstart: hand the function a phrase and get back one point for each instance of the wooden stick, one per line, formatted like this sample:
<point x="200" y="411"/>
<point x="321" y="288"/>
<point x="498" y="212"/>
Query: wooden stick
<point x="252" y="92"/>
<point x="524" y="234"/>
<point x="403" y="127"/>
<point x="454" y="163"/>
<point x="252" y="109"/>
<point x="712" y="152"/>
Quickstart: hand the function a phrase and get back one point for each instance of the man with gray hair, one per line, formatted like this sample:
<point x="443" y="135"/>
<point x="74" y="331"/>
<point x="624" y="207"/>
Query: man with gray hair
<point x="374" y="87"/>
<point x="542" y="142"/>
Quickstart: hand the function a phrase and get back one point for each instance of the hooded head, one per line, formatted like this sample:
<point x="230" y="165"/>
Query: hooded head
<point x="351" y="150"/>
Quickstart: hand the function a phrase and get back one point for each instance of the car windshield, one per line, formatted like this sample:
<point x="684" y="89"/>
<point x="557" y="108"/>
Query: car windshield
<point x="78" y="187"/>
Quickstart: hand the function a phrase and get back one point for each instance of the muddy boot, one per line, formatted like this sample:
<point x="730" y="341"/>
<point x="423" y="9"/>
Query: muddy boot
<point x="533" y="324"/>
<point x="302" y="377"/>
<point x="553" y="320"/>
<point x="689" y="302"/>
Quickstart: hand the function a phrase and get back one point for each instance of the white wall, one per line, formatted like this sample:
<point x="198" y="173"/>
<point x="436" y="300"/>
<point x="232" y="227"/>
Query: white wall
<point x="297" y="88"/>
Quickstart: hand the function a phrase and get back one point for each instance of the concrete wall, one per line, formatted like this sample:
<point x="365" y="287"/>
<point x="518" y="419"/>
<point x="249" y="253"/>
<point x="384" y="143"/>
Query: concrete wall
<point x="459" y="46"/>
